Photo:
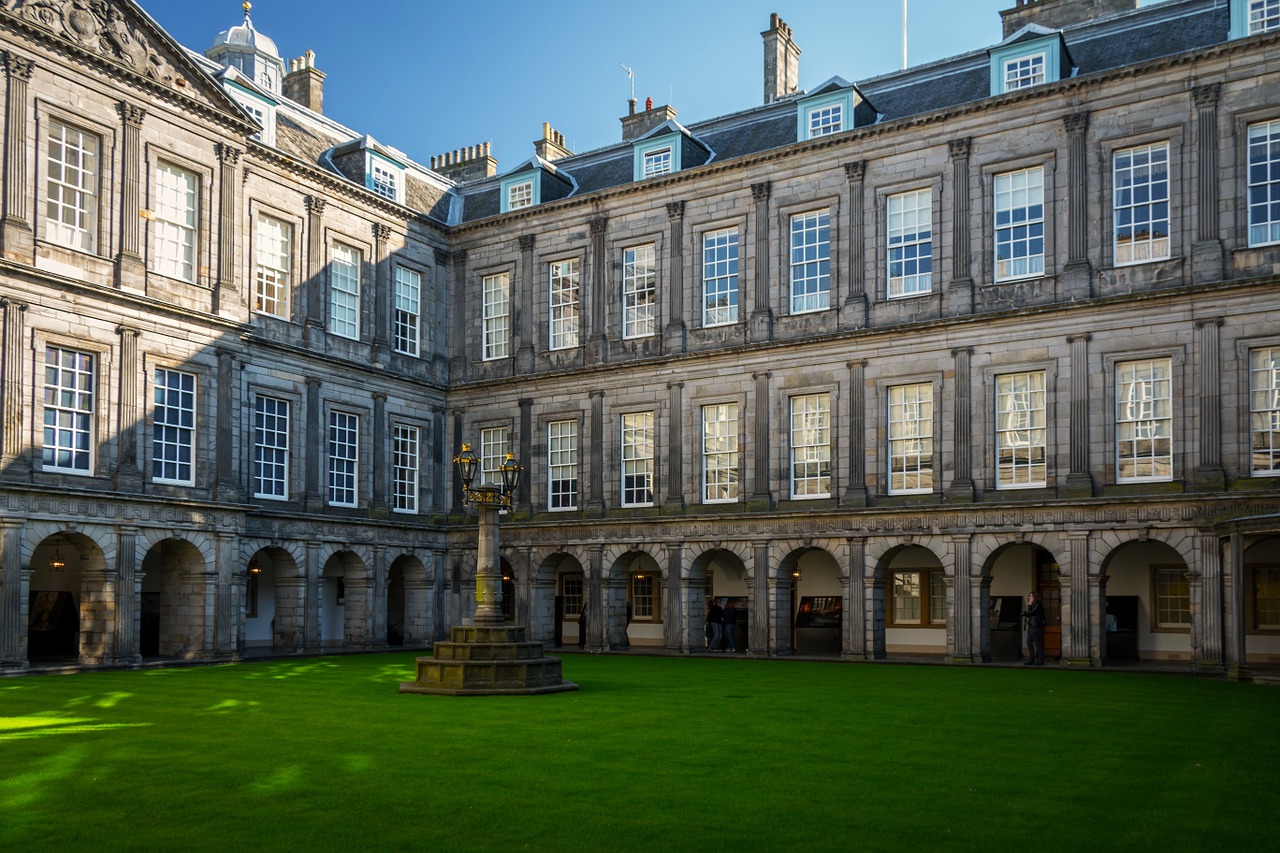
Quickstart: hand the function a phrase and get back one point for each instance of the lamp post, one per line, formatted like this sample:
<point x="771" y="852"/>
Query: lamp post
<point x="488" y="500"/>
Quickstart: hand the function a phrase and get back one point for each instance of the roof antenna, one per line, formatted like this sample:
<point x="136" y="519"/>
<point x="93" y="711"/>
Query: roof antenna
<point x="632" y="75"/>
<point x="904" y="35"/>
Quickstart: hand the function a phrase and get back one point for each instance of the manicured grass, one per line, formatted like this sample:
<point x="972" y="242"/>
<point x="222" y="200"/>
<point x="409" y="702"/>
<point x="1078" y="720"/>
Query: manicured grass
<point x="650" y="754"/>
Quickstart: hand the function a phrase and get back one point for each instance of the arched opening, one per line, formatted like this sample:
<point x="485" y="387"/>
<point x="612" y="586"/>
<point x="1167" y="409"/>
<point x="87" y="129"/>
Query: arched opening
<point x="1262" y="603"/>
<point x="272" y="605"/>
<point x="170" y="623"/>
<point x="395" y="604"/>
<point x="815" y="605"/>
<point x="342" y="602"/>
<point x="635" y="598"/>
<point x="1148" y="603"/>
<point x="568" y="626"/>
<point x="1012" y="572"/>
<point x="721" y="577"/>
<point x="54" y="599"/>
<point x="915" y="616"/>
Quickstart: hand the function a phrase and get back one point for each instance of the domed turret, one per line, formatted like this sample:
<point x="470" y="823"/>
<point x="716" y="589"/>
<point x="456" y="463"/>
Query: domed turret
<point x="250" y="52"/>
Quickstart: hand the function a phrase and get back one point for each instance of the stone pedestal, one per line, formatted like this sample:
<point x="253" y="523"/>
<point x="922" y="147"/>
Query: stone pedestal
<point x="488" y="660"/>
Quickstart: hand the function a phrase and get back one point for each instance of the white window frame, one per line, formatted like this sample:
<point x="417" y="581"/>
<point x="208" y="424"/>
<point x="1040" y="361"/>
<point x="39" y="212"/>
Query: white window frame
<point x="494" y="445"/>
<point x="1263" y="157"/>
<point x="1264" y="412"/>
<point x="344" y="291"/>
<point x="1144" y="420"/>
<point x="810" y="261"/>
<point x="565" y="298"/>
<point x="720" y="474"/>
<point x="1171" y="591"/>
<point x="637" y="442"/>
<point x="406" y="446"/>
<point x="1264" y="16"/>
<point x="572" y="599"/>
<point x="174" y="221"/>
<point x="70" y="396"/>
<point x="720" y="266"/>
<point x="173" y="427"/>
<point x="909" y="258"/>
<point x="271" y="425"/>
<point x="657" y="162"/>
<point x="810" y="444"/>
<point x="408" y="306"/>
<point x="1140" y="204"/>
<point x="912" y="461"/>
<point x="1023" y="72"/>
<point x="562" y="465"/>
<point x="644" y="597"/>
<point x="826" y="119"/>
<point x="344" y="458"/>
<point x="639" y="291"/>
<point x="519" y="195"/>
<point x="385" y="178"/>
<point x="1021" y="430"/>
<point x="273" y="265"/>
<point x="1019" y="223"/>
<point x="71" y="186"/>
<point x="496" y="315"/>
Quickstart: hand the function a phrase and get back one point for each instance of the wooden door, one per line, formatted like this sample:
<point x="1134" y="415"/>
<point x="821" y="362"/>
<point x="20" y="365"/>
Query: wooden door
<point x="1050" y="591"/>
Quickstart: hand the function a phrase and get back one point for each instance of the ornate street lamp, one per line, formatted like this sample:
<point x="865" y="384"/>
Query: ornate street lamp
<point x="488" y="501"/>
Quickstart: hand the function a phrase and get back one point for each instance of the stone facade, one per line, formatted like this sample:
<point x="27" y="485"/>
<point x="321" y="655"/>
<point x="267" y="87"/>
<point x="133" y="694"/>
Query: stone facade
<point x="243" y="441"/>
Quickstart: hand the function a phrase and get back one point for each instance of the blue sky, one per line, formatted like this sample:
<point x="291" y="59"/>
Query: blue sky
<point x="427" y="77"/>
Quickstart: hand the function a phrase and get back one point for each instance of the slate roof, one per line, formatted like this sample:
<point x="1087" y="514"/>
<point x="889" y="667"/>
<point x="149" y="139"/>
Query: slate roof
<point x="1102" y="45"/>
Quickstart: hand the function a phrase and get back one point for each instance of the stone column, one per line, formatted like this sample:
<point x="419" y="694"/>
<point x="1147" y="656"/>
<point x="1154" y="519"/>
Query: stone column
<point x="1237" y="662"/>
<point x="761" y="613"/>
<point x="675" y="447"/>
<point x="522" y="308"/>
<point x="97" y="619"/>
<point x="1206" y="252"/>
<point x="958" y="299"/>
<point x="782" y="605"/>
<point x="1077" y="275"/>
<point x="596" y="503"/>
<point x="1097" y="617"/>
<point x="383" y="287"/>
<point x="676" y="629"/>
<point x="458" y="495"/>
<point x="226" y="296"/>
<point x="524" y="493"/>
<point x="128" y="474"/>
<point x="312" y="593"/>
<point x="1078" y="628"/>
<point x="227" y="481"/>
<point x="229" y="581"/>
<point x="761" y="492"/>
<point x="1209" y="475"/>
<point x="14" y="464"/>
<point x="128" y="594"/>
<point x="962" y="490"/>
<point x="130" y="271"/>
<point x="874" y="608"/>
<point x="313" y="490"/>
<point x="1207" y="639"/>
<point x="17" y="236"/>
<point x="856" y="494"/>
<point x="596" y="601"/>
<point x="376" y="601"/>
<point x="596" y="292"/>
<point x="761" y="305"/>
<point x="378" y="507"/>
<point x="1079" y="480"/>
<point x="854" y="642"/>
<point x="315" y="275"/>
<point x="13" y="623"/>
<point x="458" y="344"/>
<point x="675" y="336"/>
<point x="963" y="623"/>
<point x="855" y="310"/>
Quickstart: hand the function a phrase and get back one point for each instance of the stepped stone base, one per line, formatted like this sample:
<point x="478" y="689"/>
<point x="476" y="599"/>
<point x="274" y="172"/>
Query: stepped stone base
<point x="488" y="660"/>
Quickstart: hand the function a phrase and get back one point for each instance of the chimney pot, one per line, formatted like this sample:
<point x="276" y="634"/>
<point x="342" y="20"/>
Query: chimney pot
<point x="648" y="104"/>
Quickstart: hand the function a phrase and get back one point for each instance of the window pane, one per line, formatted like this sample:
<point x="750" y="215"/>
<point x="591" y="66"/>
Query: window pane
<point x="1144" y="420"/>
<point x="404" y="468"/>
<point x="720" y="277"/>
<point x="810" y="261"/>
<point x="1264" y="410"/>
<point x="344" y="292"/>
<point x="720" y="453"/>
<point x="637" y="459"/>
<point x="174" y="222"/>
<point x="1019" y="224"/>
<point x="173" y="419"/>
<point x="68" y="410"/>
<point x="270" y="448"/>
<point x="344" y="444"/>
<point x="565" y="299"/>
<point x="811" y="446"/>
<point x="910" y="259"/>
<point x="273" y="252"/>
<point x="562" y="465"/>
<point x="497" y="315"/>
<point x="407" y="297"/>
<point x="911" y="438"/>
<point x="71" y="191"/>
<point x="1021" y="431"/>
<point x="1141" y="203"/>
<point x="639" y="292"/>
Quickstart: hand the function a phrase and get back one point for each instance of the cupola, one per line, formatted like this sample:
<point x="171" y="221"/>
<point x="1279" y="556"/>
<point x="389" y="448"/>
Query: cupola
<point x="249" y="52"/>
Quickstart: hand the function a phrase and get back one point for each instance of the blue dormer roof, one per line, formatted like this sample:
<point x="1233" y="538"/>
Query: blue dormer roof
<point x="1032" y="56"/>
<point x="667" y="148"/>
<point x="535" y="181"/>
<point x="835" y="106"/>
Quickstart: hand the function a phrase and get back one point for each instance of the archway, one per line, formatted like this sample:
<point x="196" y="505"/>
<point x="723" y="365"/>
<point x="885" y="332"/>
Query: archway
<point x="570" y="595"/>
<point x="634" y="597"/>
<point x="1013" y="571"/>
<point x="273" y="601"/>
<point x="718" y="575"/>
<point x="915" y="617"/>
<point x="1262" y="603"/>
<point x="171" y="624"/>
<point x="1148" y="603"/>
<point x="395" y="604"/>
<point x="342" y="605"/>
<point x="814" y="603"/>
<point x="55" y="596"/>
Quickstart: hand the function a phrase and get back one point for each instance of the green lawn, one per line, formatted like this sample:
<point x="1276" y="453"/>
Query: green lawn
<point x="650" y="754"/>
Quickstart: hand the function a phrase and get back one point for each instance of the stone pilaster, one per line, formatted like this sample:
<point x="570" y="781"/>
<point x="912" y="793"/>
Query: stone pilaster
<point x="317" y="435"/>
<point x="375" y="611"/>
<point x="1079" y="482"/>
<point x="855" y="310"/>
<point x="959" y="297"/>
<point x="963" y="624"/>
<point x="1209" y="474"/>
<point x="1206" y="252"/>
<point x="458" y="344"/>
<point x="781" y="598"/>
<point x="458" y="495"/>
<point x="383" y="287"/>
<point x="675" y="447"/>
<point x="14" y="464"/>
<point x="229" y="581"/>
<point x="856" y="494"/>
<point x="523" y="491"/>
<point x="874" y="607"/>
<point x="128" y="612"/>
<point x="226" y="295"/>
<point x="436" y="287"/>
<point x="378" y="507"/>
<point x="1237" y="663"/>
<point x="961" y="490"/>
<point x="854" y="641"/>
<point x="597" y="292"/>
<point x="677" y="634"/>
<point x="227" y="482"/>
<point x="596" y="503"/>
<point x="130" y="272"/>
<point x="675" y="335"/>
<point x="97" y="617"/>
<point x="17" y="236"/>
<point x="597" y="621"/>
<point x="522" y="309"/>
<point x="1077" y="275"/>
<point x="312" y="592"/>
<point x="761" y="612"/>
<point x="1207" y="605"/>
<point x="761" y="492"/>
<point x="315" y="276"/>
<point x="1097" y="616"/>
<point x="1077" y="625"/>
<point x="128" y="474"/>
<point x="761" y="324"/>
<point x="13" y="597"/>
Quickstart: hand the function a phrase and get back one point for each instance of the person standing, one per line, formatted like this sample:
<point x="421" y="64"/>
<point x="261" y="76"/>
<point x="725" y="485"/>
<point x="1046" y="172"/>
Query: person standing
<point x="731" y="626"/>
<point x="1034" y="617"/>
<point x="715" y="623"/>
<point x="582" y="626"/>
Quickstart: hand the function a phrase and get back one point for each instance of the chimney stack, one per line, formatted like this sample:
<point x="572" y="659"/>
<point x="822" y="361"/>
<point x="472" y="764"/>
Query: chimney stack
<point x="1057" y="14"/>
<point x="637" y="124"/>
<point x="304" y="84"/>
<point x="781" y="61"/>
<point x="551" y="146"/>
<point x="466" y="164"/>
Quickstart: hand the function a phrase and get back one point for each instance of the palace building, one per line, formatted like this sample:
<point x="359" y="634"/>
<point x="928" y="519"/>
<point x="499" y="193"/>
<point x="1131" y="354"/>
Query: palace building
<point x="870" y="361"/>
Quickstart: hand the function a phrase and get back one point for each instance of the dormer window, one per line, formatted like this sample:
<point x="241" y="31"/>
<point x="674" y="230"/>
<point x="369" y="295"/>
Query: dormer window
<point x="831" y="109"/>
<point x="824" y="120"/>
<point x="1023" y="72"/>
<point x="384" y="177"/>
<point x="1250" y="17"/>
<point x="262" y="110"/>
<point x="520" y="195"/>
<point x="657" y="162"/>
<point x="520" y="190"/>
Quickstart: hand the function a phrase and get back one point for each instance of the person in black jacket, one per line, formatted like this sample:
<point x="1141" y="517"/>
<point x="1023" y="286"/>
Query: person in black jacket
<point x="1034" y="617"/>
